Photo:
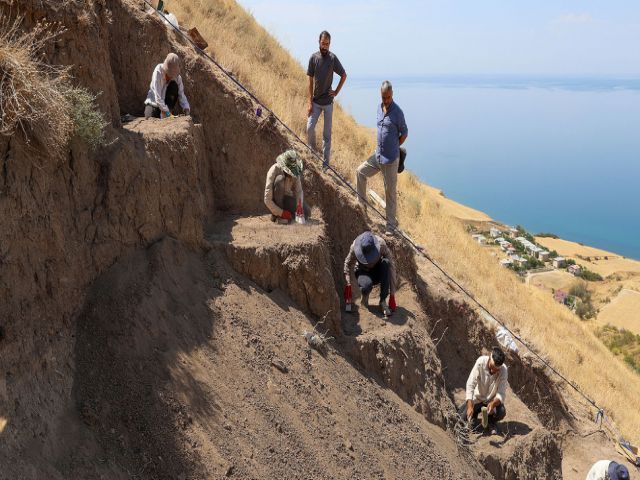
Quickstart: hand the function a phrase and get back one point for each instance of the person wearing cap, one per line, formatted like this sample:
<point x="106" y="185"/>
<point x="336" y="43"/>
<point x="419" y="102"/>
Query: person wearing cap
<point x="608" y="470"/>
<point x="374" y="265"/>
<point x="322" y="65"/>
<point x="486" y="389"/>
<point x="283" y="189"/>
<point x="392" y="132"/>
<point x="166" y="89"/>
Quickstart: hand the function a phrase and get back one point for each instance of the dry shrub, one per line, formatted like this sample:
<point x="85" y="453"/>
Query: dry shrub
<point x="88" y="121"/>
<point x="33" y="96"/>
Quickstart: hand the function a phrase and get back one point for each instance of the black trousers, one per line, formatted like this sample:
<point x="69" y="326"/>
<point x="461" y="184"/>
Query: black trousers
<point x="170" y="100"/>
<point x="500" y="413"/>
<point x="379" y="274"/>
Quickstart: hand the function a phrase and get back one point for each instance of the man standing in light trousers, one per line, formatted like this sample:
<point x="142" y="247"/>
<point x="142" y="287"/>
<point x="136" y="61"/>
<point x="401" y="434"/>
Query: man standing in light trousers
<point x="392" y="132"/>
<point x="322" y="65"/>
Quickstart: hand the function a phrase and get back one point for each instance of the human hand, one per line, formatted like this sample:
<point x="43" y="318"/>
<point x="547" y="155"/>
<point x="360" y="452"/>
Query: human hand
<point x="310" y="109"/>
<point x="286" y="214"/>
<point x="469" y="410"/>
<point x="392" y="303"/>
<point x="333" y="93"/>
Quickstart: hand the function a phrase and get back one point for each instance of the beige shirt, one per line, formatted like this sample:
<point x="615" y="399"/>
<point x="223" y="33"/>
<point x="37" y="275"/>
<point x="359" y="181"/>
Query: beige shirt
<point x="292" y="187"/>
<point x="385" y="252"/>
<point x="482" y="386"/>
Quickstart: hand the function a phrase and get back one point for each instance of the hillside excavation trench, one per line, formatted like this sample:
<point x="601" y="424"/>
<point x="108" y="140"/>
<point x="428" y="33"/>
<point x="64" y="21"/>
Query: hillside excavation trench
<point x="150" y="300"/>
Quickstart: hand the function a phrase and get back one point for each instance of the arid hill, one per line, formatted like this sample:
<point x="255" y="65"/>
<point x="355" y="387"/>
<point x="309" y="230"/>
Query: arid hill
<point x="153" y="318"/>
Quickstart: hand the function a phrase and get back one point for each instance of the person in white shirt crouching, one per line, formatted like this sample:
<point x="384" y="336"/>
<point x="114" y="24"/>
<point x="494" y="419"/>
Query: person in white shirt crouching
<point x="166" y="89"/>
<point x="486" y="391"/>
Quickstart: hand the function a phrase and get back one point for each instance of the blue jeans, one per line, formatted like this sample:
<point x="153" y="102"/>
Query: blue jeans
<point x="326" y="133"/>
<point x="379" y="274"/>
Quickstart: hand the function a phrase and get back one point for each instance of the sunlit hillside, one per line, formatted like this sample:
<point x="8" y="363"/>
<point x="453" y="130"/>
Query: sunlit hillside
<point x="256" y="58"/>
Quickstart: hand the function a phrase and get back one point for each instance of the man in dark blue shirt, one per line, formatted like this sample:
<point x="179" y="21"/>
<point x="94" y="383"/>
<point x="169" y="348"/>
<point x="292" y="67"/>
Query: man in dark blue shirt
<point x="322" y="65"/>
<point x="392" y="132"/>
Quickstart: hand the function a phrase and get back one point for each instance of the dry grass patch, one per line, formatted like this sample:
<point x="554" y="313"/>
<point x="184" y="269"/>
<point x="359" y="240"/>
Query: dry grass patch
<point x="37" y="99"/>
<point x="623" y="311"/>
<point x="32" y="93"/>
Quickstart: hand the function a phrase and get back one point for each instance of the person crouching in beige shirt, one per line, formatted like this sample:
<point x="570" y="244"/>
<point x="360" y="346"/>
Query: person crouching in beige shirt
<point x="283" y="189"/>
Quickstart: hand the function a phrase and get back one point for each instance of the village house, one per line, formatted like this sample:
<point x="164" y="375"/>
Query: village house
<point x="575" y="270"/>
<point x="506" y="262"/>
<point x="559" y="262"/>
<point x="520" y="261"/>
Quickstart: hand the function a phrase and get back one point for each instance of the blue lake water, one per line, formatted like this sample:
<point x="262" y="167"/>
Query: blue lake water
<point x="554" y="155"/>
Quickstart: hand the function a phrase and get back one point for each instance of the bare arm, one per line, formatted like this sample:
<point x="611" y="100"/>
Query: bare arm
<point x="403" y="138"/>
<point x="310" y="96"/>
<point x="334" y="93"/>
<point x="493" y="404"/>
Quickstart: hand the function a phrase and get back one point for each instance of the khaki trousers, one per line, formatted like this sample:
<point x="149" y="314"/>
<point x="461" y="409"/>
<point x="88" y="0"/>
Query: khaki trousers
<point x="390" y="176"/>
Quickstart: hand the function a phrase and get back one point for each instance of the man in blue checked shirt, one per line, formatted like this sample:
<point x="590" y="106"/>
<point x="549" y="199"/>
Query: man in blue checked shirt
<point x="392" y="132"/>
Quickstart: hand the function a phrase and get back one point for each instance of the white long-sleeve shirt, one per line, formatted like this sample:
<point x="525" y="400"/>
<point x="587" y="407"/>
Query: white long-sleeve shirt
<point x="599" y="470"/>
<point x="482" y="386"/>
<point x="158" y="90"/>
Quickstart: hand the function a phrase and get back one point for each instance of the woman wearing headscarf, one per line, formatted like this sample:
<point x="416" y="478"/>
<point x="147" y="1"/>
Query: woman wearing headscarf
<point x="166" y="89"/>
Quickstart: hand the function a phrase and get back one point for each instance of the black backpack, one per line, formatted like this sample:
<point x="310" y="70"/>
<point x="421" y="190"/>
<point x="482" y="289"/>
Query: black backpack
<point x="403" y="155"/>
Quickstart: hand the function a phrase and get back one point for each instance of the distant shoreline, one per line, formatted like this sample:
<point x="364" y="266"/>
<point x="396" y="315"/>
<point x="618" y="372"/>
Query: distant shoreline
<point x="511" y="81"/>
<point x="602" y="261"/>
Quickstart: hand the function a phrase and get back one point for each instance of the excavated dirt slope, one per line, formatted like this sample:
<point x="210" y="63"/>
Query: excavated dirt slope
<point x="153" y="317"/>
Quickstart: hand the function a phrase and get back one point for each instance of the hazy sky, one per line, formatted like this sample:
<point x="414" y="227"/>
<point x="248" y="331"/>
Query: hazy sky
<point x="414" y="37"/>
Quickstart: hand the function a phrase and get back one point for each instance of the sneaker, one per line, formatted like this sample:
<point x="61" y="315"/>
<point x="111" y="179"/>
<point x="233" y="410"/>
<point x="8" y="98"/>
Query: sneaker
<point x="325" y="167"/>
<point x="364" y="300"/>
<point x="485" y="417"/>
<point x="389" y="232"/>
<point x="386" y="311"/>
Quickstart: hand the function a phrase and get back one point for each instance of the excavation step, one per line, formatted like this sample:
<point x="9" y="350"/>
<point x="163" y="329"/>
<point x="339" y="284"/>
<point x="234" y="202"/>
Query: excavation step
<point x="294" y="258"/>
